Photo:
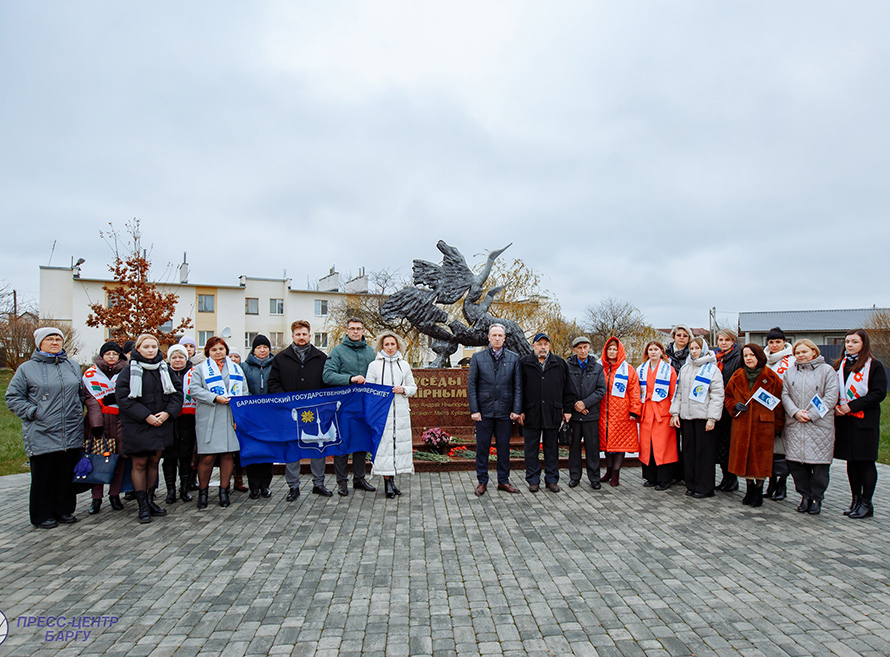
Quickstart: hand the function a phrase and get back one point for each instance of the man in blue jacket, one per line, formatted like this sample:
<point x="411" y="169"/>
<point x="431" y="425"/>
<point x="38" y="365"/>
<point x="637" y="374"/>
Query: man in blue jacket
<point x="347" y="365"/>
<point x="494" y="391"/>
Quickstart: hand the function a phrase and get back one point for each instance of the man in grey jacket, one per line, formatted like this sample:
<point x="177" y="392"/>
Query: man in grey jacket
<point x="347" y="365"/>
<point x="494" y="391"/>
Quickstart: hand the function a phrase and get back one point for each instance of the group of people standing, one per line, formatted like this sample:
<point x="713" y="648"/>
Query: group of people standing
<point x="759" y="415"/>
<point x="144" y="407"/>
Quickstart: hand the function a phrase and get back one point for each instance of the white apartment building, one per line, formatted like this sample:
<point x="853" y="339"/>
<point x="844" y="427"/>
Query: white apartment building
<point x="235" y="312"/>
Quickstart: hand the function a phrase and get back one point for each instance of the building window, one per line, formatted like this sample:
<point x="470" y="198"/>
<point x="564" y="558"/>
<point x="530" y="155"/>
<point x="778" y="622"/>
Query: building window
<point x="321" y="340"/>
<point x="276" y="306"/>
<point x="277" y="339"/>
<point x="249" y="337"/>
<point x="251" y="306"/>
<point x="321" y="307"/>
<point x="167" y="326"/>
<point x="204" y="336"/>
<point x="205" y="303"/>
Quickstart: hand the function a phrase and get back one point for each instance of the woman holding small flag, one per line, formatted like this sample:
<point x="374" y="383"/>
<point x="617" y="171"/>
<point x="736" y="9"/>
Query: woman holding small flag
<point x="809" y="395"/>
<point x="620" y="409"/>
<point x="104" y="419"/>
<point x="658" y="440"/>
<point x="729" y="360"/>
<point x="753" y="398"/>
<point x="862" y="383"/>
<point x="695" y="409"/>
<point x="214" y="382"/>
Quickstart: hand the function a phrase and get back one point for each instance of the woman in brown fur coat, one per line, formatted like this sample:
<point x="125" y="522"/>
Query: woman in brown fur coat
<point x="754" y="424"/>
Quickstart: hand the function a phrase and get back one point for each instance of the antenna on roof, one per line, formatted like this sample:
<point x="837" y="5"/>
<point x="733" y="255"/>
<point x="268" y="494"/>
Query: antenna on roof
<point x="53" y="250"/>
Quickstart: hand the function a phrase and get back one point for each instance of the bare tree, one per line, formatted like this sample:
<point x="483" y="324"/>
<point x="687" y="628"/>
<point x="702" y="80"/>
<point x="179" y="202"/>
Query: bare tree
<point x="878" y="328"/>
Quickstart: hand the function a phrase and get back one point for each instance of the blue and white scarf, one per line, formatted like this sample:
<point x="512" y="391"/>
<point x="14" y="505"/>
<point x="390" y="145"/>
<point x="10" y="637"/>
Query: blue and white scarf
<point x="622" y="378"/>
<point x="662" y="387"/>
<point x="702" y="382"/>
<point x="215" y="383"/>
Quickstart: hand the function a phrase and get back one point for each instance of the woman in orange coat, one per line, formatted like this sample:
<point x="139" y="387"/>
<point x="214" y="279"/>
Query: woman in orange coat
<point x="753" y="398"/>
<point x="620" y="409"/>
<point x="658" y="440"/>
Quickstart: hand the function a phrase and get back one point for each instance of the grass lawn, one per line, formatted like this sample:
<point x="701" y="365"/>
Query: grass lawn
<point x="12" y="449"/>
<point x="884" y="448"/>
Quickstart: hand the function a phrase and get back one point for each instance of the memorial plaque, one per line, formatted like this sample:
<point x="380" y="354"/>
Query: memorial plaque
<point x="441" y="401"/>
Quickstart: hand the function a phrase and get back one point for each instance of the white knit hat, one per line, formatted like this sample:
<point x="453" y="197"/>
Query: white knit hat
<point x="42" y="334"/>
<point x="177" y="348"/>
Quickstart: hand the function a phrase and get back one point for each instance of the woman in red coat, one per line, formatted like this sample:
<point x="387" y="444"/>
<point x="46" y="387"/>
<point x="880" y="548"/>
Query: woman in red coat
<point x="753" y="397"/>
<point x="658" y="440"/>
<point x="620" y="409"/>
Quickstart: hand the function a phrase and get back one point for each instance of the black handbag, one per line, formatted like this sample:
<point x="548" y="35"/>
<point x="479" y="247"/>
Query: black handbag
<point x="103" y="465"/>
<point x="564" y="437"/>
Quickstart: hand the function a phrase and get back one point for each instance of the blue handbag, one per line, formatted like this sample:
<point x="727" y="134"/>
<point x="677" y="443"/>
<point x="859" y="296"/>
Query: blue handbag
<point x="101" y="467"/>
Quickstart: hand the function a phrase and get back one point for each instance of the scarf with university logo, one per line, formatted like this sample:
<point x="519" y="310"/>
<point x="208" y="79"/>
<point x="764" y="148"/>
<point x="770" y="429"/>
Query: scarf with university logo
<point x="215" y="383"/>
<point x="856" y="385"/>
<point x="619" y="383"/>
<point x="662" y="387"/>
<point x="702" y="382"/>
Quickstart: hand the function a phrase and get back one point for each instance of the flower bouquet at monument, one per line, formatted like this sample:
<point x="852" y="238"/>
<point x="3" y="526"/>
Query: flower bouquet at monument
<point x="436" y="438"/>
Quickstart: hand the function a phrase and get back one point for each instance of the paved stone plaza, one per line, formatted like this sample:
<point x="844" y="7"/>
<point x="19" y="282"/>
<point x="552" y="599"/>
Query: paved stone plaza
<point x="625" y="571"/>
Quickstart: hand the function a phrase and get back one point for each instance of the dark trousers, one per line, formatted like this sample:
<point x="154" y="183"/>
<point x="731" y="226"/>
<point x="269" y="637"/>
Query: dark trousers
<point x="52" y="494"/>
<point x="341" y="465"/>
<point x="810" y="479"/>
<point x="533" y="438"/>
<point x="588" y="432"/>
<point x="259" y="475"/>
<point x="658" y="474"/>
<point x="698" y="454"/>
<point x="500" y="429"/>
<point x="863" y="476"/>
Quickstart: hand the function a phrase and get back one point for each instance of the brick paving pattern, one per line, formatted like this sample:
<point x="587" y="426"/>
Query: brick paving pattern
<point x="618" y="572"/>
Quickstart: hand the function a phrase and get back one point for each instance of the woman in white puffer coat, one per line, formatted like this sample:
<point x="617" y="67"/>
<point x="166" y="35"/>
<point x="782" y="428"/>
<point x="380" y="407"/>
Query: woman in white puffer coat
<point x="394" y="456"/>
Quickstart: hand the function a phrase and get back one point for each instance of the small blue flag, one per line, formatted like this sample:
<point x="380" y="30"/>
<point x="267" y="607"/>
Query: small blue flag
<point x="289" y="426"/>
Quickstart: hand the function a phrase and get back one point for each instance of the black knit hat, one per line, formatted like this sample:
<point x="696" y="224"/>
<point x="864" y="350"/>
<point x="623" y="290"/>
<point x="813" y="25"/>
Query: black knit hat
<point x="128" y="346"/>
<point x="111" y="345"/>
<point x="775" y="333"/>
<point x="260" y="340"/>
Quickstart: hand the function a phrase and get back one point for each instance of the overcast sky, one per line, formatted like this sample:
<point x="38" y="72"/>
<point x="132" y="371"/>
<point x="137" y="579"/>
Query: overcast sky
<point x="678" y="155"/>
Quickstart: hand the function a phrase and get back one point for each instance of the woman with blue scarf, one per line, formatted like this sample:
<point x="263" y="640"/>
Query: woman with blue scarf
<point x="214" y="382"/>
<point x="47" y="395"/>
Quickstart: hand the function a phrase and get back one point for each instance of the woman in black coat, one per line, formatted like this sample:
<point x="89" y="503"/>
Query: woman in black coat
<point x="863" y="386"/>
<point x="149" y="398"/>
<point x="729" y="359"/>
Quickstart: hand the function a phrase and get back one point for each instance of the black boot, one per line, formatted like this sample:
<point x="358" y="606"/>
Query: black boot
<point x="224" y="496"/>
<point x="857" y="499"/>
<point x="154" y="508"/>
<point x="169" y="468"/>
<point x="771" y="488"/>
<point x="144" y="514"/>
<point x="864" y="510"/>
<point x="757" y="500"/>
<point x="184" y="494"/>
<point x="729" y="484"/>
<point x="805" y="504"/>
<point x="130" y="495"/>
<point x="203" y="494"/>
<point x="781" y="489"/>
<point x="116" y="503"/>
<point x="387" y="487"/>
<point x="95" y="505"/>
<point x="749" y="494"/>
<point x="194" y="485"/>
<point x="395" y="489"/>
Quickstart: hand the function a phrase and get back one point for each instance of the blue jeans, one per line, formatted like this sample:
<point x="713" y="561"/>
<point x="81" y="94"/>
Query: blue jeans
<point x="499" y="428"/>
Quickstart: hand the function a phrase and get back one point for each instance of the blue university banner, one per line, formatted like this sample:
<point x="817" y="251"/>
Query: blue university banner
<point x="289" y="426"/>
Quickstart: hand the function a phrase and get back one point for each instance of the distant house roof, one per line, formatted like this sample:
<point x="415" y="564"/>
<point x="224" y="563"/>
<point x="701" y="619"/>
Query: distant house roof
<point x="695" y="331"/>
<point x="806" y="320"/>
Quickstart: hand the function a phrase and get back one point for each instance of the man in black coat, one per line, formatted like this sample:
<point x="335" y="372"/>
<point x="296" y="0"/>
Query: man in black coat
<point x="545" y="405"/>
<point x="299" y="367"/>
<point x="494" y="391"/>
<point x="587" y="387"/>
